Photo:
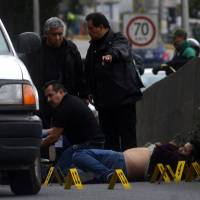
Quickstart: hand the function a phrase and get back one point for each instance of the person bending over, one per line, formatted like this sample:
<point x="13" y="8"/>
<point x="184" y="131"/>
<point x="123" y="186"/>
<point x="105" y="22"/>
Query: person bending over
<point x="73" y="119"/>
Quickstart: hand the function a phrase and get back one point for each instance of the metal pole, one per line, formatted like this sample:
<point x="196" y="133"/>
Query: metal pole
<point x="160" y="15"/>
<point x="94" y="5"/>
<point x="36" y="16"/>
<point x="185" y="16"/>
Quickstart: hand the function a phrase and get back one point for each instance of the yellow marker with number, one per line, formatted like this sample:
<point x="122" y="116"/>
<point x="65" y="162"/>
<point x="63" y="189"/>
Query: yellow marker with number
<point x="160" y="169"/>
<point x="197" y="168"/>
<point x="119" y="174"/>
<point x="52" y="173"/>
<point x="73" y="178"/>
<point x="179" y="171"/>
<point x="170" y="171"/>
<point x="194" y="168"/>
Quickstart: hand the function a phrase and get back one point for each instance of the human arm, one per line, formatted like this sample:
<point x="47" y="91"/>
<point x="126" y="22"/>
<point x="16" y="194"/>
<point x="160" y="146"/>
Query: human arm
<point x="180" y="60"/>
<point x="53" y="135"/>
<point x="118" y="49"/>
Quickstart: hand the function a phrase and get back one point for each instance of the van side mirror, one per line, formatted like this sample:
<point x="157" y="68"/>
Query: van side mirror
<point x="28" y="42"/>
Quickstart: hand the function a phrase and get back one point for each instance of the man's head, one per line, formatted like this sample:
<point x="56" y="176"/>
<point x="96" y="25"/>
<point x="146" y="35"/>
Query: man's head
<point x="186" y="149"/>
<point x="54" y="30"/>
<point x="191" y="149"/>
<point x="97" y="25"/>
<point x="54" y="92"/>
<point x="179" y="37"/>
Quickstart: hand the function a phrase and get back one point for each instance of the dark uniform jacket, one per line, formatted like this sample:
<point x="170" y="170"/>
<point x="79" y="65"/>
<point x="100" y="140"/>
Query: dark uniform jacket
<point x="116" y="83"/>
<point x="181" y="56"/>
<point x="63" y="63"/>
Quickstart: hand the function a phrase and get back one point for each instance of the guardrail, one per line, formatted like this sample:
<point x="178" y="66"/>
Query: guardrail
<point x="170" y="106"/>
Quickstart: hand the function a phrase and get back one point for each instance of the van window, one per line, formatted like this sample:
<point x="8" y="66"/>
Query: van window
<point x="3" y="45"/>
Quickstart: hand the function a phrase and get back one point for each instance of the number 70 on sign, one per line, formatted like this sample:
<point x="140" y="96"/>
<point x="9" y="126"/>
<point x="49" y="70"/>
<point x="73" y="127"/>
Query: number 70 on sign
<point x="141" y="30"/>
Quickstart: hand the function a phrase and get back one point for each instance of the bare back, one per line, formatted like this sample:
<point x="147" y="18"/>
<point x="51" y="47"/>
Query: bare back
<point x="137" y="160"/>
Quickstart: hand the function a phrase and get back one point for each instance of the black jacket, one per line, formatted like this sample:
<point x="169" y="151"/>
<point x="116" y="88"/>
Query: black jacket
<point x="182" y="55"/>
<point x="63" y="64"/>
<point x="116" y="83"/>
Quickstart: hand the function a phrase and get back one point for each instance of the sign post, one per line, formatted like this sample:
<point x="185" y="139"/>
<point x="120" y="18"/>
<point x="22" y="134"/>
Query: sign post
<point x="141" y="30"/>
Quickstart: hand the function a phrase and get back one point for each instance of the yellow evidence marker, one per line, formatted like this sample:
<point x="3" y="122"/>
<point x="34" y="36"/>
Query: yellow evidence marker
<point x="194" y="168"/>
<point x="119" y="174"/>
<point x="162" y="171"/>
<point x="181" y="167"/>
<point x="52" y="173"/>
<point x="73" y="178"/>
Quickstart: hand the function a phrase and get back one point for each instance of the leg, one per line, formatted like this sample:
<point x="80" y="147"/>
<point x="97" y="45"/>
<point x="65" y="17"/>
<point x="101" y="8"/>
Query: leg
<point x="101" y="162"/>
<point x="127" y="126"/>
<point x="108" y="125"/>
<point x="65" y="160"/>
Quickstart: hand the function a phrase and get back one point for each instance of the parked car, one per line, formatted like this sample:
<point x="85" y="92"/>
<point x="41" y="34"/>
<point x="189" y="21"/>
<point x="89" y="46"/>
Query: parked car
<point x="20" y="129"/>
<point x="148" y="78"/>
<point x="153" y="57"/>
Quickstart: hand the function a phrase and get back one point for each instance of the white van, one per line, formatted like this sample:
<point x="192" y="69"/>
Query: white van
<point x="20" y="129"/>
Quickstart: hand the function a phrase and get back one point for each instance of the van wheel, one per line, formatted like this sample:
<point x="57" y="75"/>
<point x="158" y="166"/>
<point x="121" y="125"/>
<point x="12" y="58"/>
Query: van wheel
<point x="25" y="182"/>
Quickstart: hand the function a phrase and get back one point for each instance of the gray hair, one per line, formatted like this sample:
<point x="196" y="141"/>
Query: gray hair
<point x="54" y="22"/>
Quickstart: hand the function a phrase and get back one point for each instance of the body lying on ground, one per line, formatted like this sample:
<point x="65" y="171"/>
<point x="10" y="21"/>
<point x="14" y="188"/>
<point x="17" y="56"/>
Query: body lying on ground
<point x="137" y="163"/>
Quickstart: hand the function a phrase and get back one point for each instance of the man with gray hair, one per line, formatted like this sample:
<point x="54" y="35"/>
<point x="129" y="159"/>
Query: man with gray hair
<point x="60" y="60"/>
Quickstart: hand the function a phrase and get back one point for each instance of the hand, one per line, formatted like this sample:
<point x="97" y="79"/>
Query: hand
<point x="88" y="99"/>
<point x="155" y="70"/>
<point x="107" y="58"/>
<point x="163" y="66"/>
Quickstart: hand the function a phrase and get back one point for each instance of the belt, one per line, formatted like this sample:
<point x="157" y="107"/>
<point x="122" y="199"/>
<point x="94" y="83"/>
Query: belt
<point x="99" y="143"/>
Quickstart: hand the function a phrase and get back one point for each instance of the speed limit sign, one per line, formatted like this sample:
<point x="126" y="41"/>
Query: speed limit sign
<point x="141" y="31"/>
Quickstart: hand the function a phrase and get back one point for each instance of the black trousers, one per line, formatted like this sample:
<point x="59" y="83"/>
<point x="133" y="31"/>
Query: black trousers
<point x="119" y="127"/>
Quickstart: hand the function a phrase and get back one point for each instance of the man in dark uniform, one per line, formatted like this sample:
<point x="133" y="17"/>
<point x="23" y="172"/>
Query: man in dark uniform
<point x="113" y="82"/>
<point x="73" y="119"/>
<point x="184" y="52"/>
<point x="56" y="59"/>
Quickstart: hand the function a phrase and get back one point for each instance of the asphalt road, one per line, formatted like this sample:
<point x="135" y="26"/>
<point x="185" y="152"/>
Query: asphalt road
<point x="139" y="190"/>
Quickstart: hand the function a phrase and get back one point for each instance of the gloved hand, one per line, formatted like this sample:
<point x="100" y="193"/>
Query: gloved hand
<point x="155" y="70"/>
<point x="164" y="66"/>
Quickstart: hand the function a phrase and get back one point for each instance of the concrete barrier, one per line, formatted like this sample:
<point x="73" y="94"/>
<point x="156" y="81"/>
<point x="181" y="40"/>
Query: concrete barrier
<point x="170" y="106"/>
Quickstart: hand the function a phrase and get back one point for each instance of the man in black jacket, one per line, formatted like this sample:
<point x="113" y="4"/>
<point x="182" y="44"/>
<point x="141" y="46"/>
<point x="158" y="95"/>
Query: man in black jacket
<point x="113" y="82"/>
<point x="61" y="61"/>
<point x="57" y="59"/>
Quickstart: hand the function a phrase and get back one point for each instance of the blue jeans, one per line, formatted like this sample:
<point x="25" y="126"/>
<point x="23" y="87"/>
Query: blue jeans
<point x="101" y="162"/>
<point x="65" y="160"/>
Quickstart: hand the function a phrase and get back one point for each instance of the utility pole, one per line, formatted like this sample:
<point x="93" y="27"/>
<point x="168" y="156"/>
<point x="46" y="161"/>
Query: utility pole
<point x="185" y="15"/>
<point x="94" y="3"/>
<point x="36" y="16"/>
<point x="160" y="15"/>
